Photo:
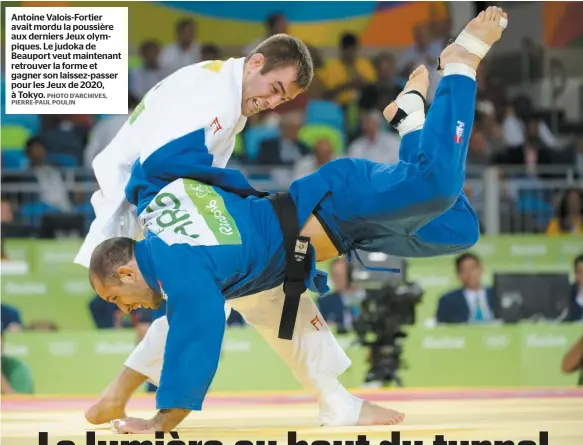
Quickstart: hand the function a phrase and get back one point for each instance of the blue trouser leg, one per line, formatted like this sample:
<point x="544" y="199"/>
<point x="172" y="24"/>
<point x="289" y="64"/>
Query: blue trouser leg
<point x="381" y="207"/>
<point x="454" y="231"/>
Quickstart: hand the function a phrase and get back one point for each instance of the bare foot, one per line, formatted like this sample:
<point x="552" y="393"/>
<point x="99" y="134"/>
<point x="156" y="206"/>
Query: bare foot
<point x="371" y="414"/>
<point x="418" y="81"/>
<point x="486" y="28"/>
<point x="103" y="411"/>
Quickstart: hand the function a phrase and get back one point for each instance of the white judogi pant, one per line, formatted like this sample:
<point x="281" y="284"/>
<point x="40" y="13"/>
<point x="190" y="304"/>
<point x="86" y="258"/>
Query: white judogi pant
<point x="314" y="355"/>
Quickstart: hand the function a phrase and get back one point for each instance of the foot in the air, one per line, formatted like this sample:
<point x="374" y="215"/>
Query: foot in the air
<point x="418" y="81"/>
<point x="486" y="28"/>
<point x="105" y="410"/>
<point x="372" y="414"/>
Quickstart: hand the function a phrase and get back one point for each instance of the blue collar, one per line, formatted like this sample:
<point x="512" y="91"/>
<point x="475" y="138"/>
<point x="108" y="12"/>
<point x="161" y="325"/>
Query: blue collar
<point x="144" y="260"/>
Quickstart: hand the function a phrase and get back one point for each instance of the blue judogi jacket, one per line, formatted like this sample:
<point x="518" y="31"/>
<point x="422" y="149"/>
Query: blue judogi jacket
<point x="196" y="278"/>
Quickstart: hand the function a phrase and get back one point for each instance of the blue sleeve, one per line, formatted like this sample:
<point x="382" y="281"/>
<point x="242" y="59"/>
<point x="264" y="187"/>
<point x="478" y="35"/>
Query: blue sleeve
<point x="196" y="318"/>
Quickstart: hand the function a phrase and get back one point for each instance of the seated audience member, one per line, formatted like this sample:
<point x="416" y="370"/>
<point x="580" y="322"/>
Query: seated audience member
<point x="575" y="312"/>
<point x="569" y="219"/>
<point x="210" y="52"/>
<point x="343" y="77"/>
<point x="573" y="360"/>
<point x="11" y="321"/>
<point x="185" y="50"/>
<point x="151" y="72"/>
<point x="65" y="136"/>
<point x="275" y="23"/>
<point x="472" y="303"/>
<point x="105" y="130"/>
<point x="323" y="153"/>
<point x="285" y="149"/>
<point x="375" y="143"/>
<point x="52" y="189"/>
<point x="387" y="87"/>
<point x="16" y="375"/>
<point x="340" y="307"/>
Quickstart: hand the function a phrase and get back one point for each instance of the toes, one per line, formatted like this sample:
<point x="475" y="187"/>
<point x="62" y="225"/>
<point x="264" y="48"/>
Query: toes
<point x="489" y="13"/>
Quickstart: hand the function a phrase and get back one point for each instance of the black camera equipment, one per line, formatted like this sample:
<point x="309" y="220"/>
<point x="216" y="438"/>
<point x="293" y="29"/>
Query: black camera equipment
<point x="388" y="306"/>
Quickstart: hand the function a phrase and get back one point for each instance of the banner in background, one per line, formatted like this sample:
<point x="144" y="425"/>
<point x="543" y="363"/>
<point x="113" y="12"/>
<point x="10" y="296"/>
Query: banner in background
<point x="456" y="356"/>
<point x="55" y="289"/>
<point x="238" y="24"/>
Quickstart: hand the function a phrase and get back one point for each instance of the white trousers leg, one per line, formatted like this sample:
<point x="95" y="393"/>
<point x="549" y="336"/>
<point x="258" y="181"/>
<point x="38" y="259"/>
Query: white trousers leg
<point x="314" y="355"/>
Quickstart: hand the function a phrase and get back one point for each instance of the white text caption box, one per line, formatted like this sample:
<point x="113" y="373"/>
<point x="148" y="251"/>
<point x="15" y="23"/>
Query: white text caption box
<point x="62" y="60"/>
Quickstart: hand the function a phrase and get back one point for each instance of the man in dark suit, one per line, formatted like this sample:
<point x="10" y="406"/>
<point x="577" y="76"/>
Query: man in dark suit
<point x="340" y="307"/>
<point x="575" y="312"/>
<point x="472" y="303"/>
<point x="287" y="148"/>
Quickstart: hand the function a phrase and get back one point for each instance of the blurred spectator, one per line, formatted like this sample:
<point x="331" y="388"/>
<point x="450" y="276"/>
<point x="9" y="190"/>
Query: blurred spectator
<point x="531" y="154"/>
<point x="16" y="375"/>
<point x="375" y="144"/>
<point x="286" y="149"/>
<point x="478" y="149"/>
<point x="340" y="307"/>
<point x="151" y="72"/>
<point x="422" y="52"/>
<point x="575" y="312"/>
<point x="10" y="319"/>
<point x="387" y="87"/>
<point x="343" y="77"/>
<point x="441" y="32"/>
<point x="185" y="51"/>
<point x="317" y="88"/>
<point x="275" y="23"/>
<point x="517" y="117"/>
<point x="472" y="302"/>
<point x="52" y="189"/>
<point x="105" y="130"/>
<point x="569" y="219"/>
<point x="210" y="52"/>
<point x="63" y="136"/>
<point x="312" y="162"/>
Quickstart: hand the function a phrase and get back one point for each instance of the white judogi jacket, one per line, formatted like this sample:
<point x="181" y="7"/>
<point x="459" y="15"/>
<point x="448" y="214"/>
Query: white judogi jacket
<point x="205" y="96"/>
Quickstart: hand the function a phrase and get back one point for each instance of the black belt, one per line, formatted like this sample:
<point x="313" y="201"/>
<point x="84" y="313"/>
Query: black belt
<point x="297" y="261"/>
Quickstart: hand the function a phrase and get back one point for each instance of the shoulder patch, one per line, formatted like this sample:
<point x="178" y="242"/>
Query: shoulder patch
<point x="214" y="65"/>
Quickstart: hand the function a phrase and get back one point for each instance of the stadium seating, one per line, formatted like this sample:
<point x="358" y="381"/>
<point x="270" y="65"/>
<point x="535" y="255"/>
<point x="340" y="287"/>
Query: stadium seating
<point x="325" y="112"/>
<point x="253" y="137"/>
<point x="14" y="137"/>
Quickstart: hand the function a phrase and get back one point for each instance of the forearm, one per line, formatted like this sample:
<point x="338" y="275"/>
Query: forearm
<point x="168" y="419"/>
<point x="574" y="358"/>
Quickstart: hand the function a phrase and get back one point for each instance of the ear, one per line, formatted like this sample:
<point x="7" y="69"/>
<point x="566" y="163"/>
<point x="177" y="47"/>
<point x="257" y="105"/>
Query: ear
<point x="257" y="61"/>
<point x="125" y="273"/>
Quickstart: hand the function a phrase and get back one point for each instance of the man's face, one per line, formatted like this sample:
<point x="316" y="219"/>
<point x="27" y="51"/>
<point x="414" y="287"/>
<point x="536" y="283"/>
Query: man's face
<point x="267" y="91"/>
<point x="186" y="35"/>
<point x="323" y="151"/>
<point x="370" y="126"/>
<point x="129" y="292"/>
<point x="478" y="143"/>
<point x="470" y="273"/>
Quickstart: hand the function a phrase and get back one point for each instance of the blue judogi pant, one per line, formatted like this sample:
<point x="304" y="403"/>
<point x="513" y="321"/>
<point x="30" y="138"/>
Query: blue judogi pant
<point x="415" y="208"/>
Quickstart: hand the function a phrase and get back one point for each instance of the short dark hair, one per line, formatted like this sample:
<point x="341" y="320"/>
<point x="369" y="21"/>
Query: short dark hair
<point x="184" y="23"/>
<point x="281" y="51"/>
<point x="578" y="260"/>
<point x="466" y="256"/>
<point x="108" y="256"/>
<point x="348" y="40"/>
